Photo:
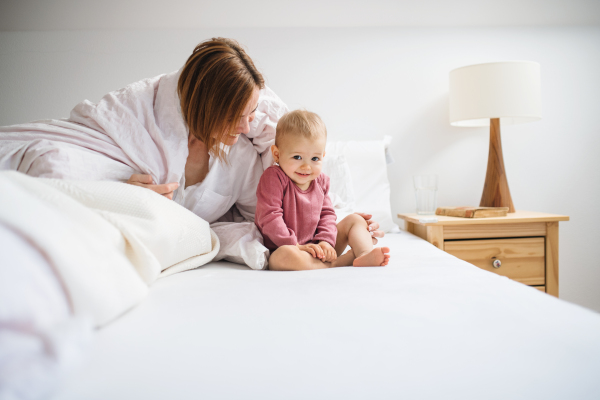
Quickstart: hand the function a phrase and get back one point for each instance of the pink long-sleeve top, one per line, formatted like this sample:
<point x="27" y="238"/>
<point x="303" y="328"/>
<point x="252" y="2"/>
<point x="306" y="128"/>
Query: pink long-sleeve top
<point x="287" y="215"/>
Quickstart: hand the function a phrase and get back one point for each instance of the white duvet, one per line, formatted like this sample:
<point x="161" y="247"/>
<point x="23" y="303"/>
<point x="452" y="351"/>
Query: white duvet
<point x="107" y="241"/>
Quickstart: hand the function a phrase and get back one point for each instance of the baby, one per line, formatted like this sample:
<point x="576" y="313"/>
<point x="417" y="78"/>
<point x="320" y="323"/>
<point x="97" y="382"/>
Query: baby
<point x="294" y="212"/>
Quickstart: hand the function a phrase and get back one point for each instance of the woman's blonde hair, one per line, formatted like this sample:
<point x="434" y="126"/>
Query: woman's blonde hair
<point x="215" y="86"/>
<point x="300" y="122"/>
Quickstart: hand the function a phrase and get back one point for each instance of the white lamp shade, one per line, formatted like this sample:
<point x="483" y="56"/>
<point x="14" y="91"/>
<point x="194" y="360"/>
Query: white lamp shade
<point x="506" y="90"/>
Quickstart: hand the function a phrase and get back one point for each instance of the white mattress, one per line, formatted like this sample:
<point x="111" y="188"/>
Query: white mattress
<point x="426" y="326"/>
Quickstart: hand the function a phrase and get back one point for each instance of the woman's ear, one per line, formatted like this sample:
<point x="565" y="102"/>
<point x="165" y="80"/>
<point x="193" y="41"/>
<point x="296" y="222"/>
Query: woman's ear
<point x="275" y="152"/>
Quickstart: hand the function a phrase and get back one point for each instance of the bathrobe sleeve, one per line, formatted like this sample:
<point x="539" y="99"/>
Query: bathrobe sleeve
<point x="262" y="129"/>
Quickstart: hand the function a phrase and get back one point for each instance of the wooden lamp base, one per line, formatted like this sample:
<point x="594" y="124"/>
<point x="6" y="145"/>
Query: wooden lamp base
<point x="495" y="190"/>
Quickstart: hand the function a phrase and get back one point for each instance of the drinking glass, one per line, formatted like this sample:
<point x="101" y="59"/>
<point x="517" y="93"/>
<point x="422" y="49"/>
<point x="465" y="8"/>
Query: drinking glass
<point x="426" y="193"/>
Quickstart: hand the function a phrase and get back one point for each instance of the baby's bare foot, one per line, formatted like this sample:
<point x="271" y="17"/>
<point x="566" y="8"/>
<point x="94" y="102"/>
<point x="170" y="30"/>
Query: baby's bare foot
<point x="377" y="257"/>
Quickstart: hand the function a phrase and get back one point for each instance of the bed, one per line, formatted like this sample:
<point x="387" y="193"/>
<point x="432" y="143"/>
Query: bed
<point x="427" y="326"/>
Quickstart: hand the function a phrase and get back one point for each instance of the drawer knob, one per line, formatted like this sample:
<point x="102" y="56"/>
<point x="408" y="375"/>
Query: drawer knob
<point x="497" y="263"/>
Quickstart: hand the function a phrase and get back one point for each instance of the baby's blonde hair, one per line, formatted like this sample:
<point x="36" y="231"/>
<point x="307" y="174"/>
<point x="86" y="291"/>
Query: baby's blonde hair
<point x="300" y="122"/>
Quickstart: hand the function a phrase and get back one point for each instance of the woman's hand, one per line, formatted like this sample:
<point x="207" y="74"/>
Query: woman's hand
<point x="328" y="251"/>
<point x="313" y="249"/>
<point x="146" y="181"/>
<point x="372" y="226"/>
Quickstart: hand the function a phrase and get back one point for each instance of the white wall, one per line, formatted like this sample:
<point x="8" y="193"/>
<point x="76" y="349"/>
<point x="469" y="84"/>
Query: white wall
<point x="47" y="15"/>
<point x="371" y="82"/>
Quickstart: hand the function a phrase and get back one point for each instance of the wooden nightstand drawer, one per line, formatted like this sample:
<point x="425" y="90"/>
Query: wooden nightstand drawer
<point x="521" y="259"/>
<point x="525" y="242"/>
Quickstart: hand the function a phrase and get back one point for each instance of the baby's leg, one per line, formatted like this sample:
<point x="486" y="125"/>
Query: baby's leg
<point x="353" y="230"/>
<point x="290" y="258"/>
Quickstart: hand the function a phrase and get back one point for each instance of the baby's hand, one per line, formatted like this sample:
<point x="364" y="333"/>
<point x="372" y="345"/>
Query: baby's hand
<point x="313" y="249"/>
<point x="330" y="254"/>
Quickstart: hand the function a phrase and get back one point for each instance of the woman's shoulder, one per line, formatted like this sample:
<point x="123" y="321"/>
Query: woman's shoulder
<point x="269" y="102"/>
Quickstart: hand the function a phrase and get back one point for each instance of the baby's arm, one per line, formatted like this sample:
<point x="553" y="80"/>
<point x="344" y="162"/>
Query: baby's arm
<point x="326" y="229"/>
<point x="269" y="211"/>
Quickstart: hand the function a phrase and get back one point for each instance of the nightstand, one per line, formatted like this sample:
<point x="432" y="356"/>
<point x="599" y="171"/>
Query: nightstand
<point x="522" y="246"/>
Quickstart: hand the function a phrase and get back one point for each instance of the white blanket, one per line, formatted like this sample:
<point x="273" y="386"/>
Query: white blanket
<point x="108" y="241"/>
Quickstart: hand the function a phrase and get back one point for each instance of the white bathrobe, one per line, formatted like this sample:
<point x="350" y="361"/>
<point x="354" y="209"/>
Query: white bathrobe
<point x="140" y="129"/>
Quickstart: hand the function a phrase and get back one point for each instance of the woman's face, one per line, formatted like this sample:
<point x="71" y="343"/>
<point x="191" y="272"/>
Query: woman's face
<point x="243" y="126"/>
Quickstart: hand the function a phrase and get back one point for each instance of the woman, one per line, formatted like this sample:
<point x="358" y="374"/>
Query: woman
<point x="194" y="135"/>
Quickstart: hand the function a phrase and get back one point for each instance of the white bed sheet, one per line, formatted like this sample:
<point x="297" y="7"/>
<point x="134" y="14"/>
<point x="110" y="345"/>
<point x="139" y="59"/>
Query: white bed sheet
<point x="428" y="326"/>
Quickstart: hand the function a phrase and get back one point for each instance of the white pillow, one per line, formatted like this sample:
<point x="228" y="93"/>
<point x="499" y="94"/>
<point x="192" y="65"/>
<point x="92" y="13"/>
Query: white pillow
<point x="366" y="161"/>
<point x="341" y="189"/>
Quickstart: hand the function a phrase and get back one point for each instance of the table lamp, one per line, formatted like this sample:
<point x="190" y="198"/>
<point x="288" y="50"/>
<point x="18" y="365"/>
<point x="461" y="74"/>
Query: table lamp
<point x="489" y="95"/>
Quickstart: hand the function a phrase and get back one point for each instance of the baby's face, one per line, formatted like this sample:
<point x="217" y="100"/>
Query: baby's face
<point x="301" y="159"/>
